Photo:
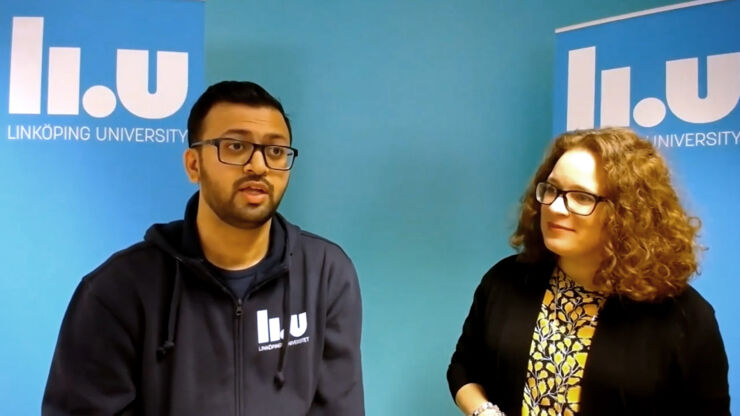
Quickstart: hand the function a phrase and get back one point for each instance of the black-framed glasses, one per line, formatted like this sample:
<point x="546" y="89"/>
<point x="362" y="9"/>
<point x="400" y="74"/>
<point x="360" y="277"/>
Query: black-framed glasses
<point x="577" y="202"/>
<point x="239" y="152"/>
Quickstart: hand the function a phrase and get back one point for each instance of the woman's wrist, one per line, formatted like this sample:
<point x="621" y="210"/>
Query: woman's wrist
<point x="487" y="409"/>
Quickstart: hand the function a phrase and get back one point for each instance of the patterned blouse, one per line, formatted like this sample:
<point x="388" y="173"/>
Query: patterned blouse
<point x="560" y="345"/>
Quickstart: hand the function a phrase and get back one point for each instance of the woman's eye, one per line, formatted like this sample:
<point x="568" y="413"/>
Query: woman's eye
<point x="582" y="198"/>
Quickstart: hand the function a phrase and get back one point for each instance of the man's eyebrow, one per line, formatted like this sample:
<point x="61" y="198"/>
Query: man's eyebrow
<point x="249" y="133"/>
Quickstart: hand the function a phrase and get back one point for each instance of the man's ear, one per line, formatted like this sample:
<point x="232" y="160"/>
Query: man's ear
<point x="191" y="160"/>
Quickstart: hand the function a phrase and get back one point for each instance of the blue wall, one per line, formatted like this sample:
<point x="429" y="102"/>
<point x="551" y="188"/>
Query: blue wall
<point x="419" y="123"/>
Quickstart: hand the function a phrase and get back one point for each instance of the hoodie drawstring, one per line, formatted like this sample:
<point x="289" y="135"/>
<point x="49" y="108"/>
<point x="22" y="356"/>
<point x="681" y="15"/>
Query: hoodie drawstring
<point x="169" y="343"/>
<point x="280" y="374"/>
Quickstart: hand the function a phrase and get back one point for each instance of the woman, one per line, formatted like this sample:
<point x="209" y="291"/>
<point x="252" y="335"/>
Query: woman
<point x="594" y="316"/>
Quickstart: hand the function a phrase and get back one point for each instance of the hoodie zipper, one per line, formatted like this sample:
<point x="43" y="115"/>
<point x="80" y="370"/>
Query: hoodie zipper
<point x="238" y="354"/>
<point x="238" y="338"/>
<point x="238" y="327"/>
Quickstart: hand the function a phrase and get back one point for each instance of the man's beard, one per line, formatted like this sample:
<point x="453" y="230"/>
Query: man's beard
<point x="224" y="204"/>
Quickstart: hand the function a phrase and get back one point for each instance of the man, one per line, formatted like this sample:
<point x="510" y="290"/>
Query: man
<point x="231" y="311"/>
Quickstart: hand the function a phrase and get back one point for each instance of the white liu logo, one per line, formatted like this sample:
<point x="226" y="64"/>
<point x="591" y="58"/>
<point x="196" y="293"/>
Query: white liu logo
<point x="268" y="329"/>
<point x="63" y="82"/>
<point x="681" y="86"/>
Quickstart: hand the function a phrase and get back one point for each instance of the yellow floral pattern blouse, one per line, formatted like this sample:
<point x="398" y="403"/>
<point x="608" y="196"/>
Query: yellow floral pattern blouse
<point x="560" y="345"/>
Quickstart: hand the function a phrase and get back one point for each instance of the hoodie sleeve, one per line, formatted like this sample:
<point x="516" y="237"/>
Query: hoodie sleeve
<point x="340" y="390"/>
<point x="92" y="368"/>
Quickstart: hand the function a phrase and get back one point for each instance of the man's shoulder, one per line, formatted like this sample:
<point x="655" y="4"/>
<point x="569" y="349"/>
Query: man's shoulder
<point x="134" y="263"/>
<point x="311" y="239"/>
<point x="316" y="244"/>
<point x="312" y="243"/>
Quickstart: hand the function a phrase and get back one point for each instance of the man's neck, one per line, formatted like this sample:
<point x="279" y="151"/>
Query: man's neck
<point x="228" y="247"/>
<point x="582" y="270"/>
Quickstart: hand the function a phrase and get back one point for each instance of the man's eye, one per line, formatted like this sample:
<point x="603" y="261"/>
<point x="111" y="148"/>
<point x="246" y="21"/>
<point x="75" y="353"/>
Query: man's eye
<point x="276" y="151"/>
<point x="235" y="146"/>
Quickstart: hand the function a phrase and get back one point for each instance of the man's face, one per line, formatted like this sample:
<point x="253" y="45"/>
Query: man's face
<point x="243" y="197"/>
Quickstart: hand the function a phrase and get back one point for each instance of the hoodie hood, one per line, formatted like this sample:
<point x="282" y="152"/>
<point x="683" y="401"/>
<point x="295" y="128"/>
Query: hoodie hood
<point x="159" y="325"/>
<point x="181" y="240"/>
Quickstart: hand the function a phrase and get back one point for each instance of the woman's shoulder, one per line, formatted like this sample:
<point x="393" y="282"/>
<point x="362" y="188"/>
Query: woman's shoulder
<point x="689" y="302"/>
<point x="688" y="309"/>
<point x="693" y="306"/>
<point x="513" y="271"/>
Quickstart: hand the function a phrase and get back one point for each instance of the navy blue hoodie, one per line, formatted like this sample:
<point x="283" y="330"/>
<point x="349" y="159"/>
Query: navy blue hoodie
<point x="152" y="332"/>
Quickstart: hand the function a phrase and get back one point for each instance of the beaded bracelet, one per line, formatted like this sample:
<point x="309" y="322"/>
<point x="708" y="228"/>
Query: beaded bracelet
<point x="487" y="406"/>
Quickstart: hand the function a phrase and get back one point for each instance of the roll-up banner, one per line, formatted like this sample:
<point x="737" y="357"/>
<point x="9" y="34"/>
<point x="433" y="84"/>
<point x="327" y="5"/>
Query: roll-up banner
<point x="673" y="75"/>
<point x="94" y="98"/>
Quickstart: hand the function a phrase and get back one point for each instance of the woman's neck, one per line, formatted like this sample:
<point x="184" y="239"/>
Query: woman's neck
<point x="581" y="270"/>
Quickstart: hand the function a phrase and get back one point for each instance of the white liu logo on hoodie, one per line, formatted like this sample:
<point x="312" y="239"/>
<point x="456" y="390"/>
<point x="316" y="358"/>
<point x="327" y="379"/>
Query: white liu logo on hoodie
<point x="269" y="330"/>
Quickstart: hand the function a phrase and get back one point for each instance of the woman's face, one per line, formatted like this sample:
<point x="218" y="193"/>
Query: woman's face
<point x="566" y="234"/>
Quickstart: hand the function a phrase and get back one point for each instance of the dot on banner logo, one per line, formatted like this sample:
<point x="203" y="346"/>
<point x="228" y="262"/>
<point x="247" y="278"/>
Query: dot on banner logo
<point x="682" y="92"/>
<point x="99" y="101"/>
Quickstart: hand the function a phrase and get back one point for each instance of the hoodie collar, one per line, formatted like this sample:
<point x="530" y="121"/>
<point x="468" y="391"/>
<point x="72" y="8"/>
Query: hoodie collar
<point x="181" y="238"/>
<point x="190" y="241"/>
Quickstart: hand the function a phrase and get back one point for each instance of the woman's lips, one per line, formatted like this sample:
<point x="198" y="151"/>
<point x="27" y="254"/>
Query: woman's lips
<point x="554" y="226"/>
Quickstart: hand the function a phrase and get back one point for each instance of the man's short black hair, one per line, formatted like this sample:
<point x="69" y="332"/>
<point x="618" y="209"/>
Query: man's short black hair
<point x="238" y="92"/>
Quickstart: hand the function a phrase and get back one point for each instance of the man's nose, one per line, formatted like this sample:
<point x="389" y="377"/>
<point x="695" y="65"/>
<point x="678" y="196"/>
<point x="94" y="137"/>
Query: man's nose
<point x="256" y="163"/>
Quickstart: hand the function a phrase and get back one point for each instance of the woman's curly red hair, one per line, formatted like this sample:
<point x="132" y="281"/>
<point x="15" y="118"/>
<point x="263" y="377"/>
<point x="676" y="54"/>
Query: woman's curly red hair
<point x="650" y="250"/>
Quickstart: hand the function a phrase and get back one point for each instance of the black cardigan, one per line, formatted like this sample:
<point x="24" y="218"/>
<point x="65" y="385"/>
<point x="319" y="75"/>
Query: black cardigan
<point x="645" y="358"/>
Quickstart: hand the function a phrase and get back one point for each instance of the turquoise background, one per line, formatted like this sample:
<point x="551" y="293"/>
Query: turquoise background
<point x="418" y="123"/>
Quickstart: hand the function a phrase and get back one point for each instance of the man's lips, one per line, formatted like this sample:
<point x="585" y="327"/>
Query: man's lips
<point x="255" y="187"/>
<point x="252" y="183"/>
<point x="254" y="192"/>
<point x="554" y="226"/>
